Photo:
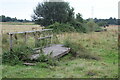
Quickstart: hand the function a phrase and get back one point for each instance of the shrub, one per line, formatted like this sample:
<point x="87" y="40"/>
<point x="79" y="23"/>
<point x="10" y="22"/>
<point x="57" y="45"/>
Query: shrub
<point x="98" y="29"/>
<point x="74" y="26"/>
<point x="92" y="26"/>
<point x="19" y="54"/>
<point x="79" y="27"/>
<point x="59" y="28"/>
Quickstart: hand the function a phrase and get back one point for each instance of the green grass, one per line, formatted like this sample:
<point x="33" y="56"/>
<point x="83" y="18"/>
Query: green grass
<point x="102" y="44"/>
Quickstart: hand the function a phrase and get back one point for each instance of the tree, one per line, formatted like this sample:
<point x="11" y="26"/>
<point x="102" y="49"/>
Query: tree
<point x="8" y="19"/>
<point x="110" y="21"/>
<point x="2" y="18"/>
<point x="47" y="13"/>
<point x="79" y="18"/>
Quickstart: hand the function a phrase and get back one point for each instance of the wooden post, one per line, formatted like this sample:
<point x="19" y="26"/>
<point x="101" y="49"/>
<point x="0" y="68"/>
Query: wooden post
<point x="25" y="38"/>
<point x="35" y="36"/>
<point x="46" y="40"/>
<point x="51" y="33"/>
<point x="49" y="42"/>
<point x="11" y="42"/>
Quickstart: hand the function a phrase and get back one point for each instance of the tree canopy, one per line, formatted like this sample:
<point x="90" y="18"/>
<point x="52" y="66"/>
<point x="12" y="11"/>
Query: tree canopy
<point x="110" y="21"/>
<point x="47" y="13"/>
<point x="4" y="18"/>
<point x="79" y="17"/>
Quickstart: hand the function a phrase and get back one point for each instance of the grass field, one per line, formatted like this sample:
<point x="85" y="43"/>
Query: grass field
<point x="18" y="27"/>
<point x="103" y="44"/>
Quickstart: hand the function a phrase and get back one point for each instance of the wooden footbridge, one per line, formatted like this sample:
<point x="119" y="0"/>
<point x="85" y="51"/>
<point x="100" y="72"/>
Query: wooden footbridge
<point x="57" y="50"/>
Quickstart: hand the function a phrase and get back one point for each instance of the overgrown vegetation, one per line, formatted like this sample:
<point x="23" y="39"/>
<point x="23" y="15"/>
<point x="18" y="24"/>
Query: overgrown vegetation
<point x="75" y="26"/>
<point x="21" y="54"/>
<point x="82" y="62"/>
<point x="59" y="28"/>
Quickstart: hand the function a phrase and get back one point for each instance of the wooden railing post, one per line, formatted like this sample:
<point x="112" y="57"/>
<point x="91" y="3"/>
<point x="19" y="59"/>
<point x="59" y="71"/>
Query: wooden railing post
<point x="25" y="38"/>
<point x="35" y="37"/>
<point x="51" y="33"/>
<point x="11" y="42"/>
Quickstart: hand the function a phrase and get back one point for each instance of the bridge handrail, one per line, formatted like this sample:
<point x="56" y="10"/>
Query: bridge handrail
<point x="29" y="31"/>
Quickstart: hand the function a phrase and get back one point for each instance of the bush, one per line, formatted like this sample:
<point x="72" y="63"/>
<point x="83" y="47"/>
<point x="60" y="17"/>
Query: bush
<point x="92" y="26"/>
<point x="59" y="28"/>
<point x="78" y="26"/>
<point x="74" y="26"/>
<point x="98" y="29"/>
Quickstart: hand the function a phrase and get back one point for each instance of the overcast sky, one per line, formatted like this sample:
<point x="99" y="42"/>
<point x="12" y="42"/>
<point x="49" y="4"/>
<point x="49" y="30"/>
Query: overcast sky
<point x="23" y="9"/>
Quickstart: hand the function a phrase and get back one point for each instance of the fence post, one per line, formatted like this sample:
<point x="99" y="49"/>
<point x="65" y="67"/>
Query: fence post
<point x="35" y="36"/>
<point x="25" y="38"/>
<point x="51" y="33"/>
<point x="11" y="42"/>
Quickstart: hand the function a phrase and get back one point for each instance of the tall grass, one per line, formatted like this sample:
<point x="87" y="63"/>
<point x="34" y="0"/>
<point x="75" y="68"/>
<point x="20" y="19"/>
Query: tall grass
<point x="78" y="50"/>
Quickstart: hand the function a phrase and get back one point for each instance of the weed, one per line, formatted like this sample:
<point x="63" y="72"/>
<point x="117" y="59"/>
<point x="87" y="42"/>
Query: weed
<point x="47" y="59"/>
<point x="19" y="54"/>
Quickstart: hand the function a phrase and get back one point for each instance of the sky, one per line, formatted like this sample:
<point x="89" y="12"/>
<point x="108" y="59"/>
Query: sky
<point x="23" y="9"/>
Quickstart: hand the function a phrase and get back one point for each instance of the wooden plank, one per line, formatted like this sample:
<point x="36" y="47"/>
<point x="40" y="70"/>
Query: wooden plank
<point x="45" y="37"/>
<point x="30" y="31"/>
<point x="62" y="54"/>
<point x="37" y="48"/>
<point x="16" y="33"/>
<point x="29" y="64"/>
<point x="55" y="51"/>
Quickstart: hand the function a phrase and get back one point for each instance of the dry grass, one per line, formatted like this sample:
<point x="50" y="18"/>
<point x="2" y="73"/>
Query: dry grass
<point x="8" y="27"/>
<point x="112" y="31"/>
<point x="16" y="27"/>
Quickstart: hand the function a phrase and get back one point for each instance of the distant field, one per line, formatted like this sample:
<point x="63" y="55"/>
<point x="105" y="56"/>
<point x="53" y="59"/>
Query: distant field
<point x="17" y="27"/>
<point x="17" y="23"/>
